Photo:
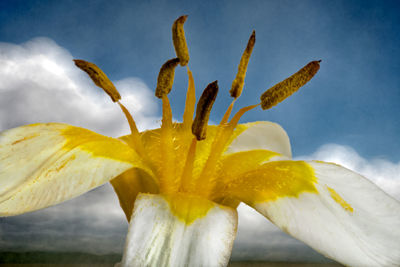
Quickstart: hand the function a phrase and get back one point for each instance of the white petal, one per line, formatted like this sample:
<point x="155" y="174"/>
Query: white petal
<point x="45" y="164"/>
<point x="158" y="237"/>
<point x="261" y="135"/>
<point x="349" y="219"/>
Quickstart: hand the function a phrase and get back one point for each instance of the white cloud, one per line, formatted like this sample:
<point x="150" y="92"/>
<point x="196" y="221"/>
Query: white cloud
<point x="40" y="83"/>
<point x="382" y="172"/>
<point x="92" y="223"/>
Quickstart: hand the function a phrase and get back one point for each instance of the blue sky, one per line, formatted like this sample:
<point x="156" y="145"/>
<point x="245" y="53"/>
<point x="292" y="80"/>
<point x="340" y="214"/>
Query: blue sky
<point x="351" y="107"/>
<point x="352" y="101"/>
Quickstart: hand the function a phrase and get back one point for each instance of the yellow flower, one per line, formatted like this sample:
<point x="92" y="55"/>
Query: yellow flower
<point x="180" y="185"/>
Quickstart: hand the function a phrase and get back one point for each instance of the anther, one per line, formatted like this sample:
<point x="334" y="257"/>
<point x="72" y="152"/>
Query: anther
<point x="238" y="83"/>
<point x="178" y="37"/>
<point x="165" y="78"/>
<point x="99" y="78"/>
<point x="204" y="106"/>
<point x="287" y="87"/>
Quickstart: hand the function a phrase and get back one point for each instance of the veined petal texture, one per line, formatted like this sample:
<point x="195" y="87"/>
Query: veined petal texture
<point x="179" y="230"/>
<point x="44" y="164"/>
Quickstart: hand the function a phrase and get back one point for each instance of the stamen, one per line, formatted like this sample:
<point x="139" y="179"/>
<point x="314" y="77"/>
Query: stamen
<point x="188" y="168"/>
<point x="235" y="120"/>
<point x="178" y="37"/>
<point x="132" y="124"/>
<point x="102" y="81"/>
<point x="167" y="113"/>
<point x="204" y="106"/>
<point x="167" y="184"/>
<point x="190" y="102"/>
<point x="238" y="83"/>
<point x="99" y="78"/>
<point x="227" y="113"/>
<point x="287" y="87"/>
<point x="206" y="180"/>
<point x="165" y="78"/>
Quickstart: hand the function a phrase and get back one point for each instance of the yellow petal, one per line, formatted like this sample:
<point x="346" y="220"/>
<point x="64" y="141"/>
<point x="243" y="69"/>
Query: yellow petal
<point x="44" y="164"/>
<point x="246" y="137"/>
<point x="233" y="166"/>
<point x="272" y="181"/>
<point x="129" y="184"/>
<point x="334" y="210"/>
<point x="236" y="164"/>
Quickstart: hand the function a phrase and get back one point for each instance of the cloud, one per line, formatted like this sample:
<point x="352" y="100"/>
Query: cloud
<point x="40" y="83"/>
<point x="92" y="223"/>
<point x="382" y="172"/>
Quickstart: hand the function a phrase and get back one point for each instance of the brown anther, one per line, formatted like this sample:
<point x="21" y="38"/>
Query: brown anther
<point x="238" y="83"/>
<point x="287" y="87"/>
<point x="204" y="106"/>
<point x="99" y="78"/>
<point x="178" y="37"/>
<point x="165" y="78"/>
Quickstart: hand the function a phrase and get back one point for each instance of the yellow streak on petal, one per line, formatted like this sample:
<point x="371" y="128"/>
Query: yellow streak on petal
<point x="65" y="162"/>
<point x="188" y="208"/>
<point x="272" y="181"/>
<point x="335" y="196"/>
<point x="96" y="144"/>
<point x="25" y="138"/>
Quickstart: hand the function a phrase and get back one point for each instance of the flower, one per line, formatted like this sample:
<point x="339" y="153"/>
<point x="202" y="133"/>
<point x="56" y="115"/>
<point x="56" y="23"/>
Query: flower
<point x="180" y="185"/>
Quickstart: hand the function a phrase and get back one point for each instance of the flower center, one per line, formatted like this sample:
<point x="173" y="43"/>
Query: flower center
<point x="186" y="156"/>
